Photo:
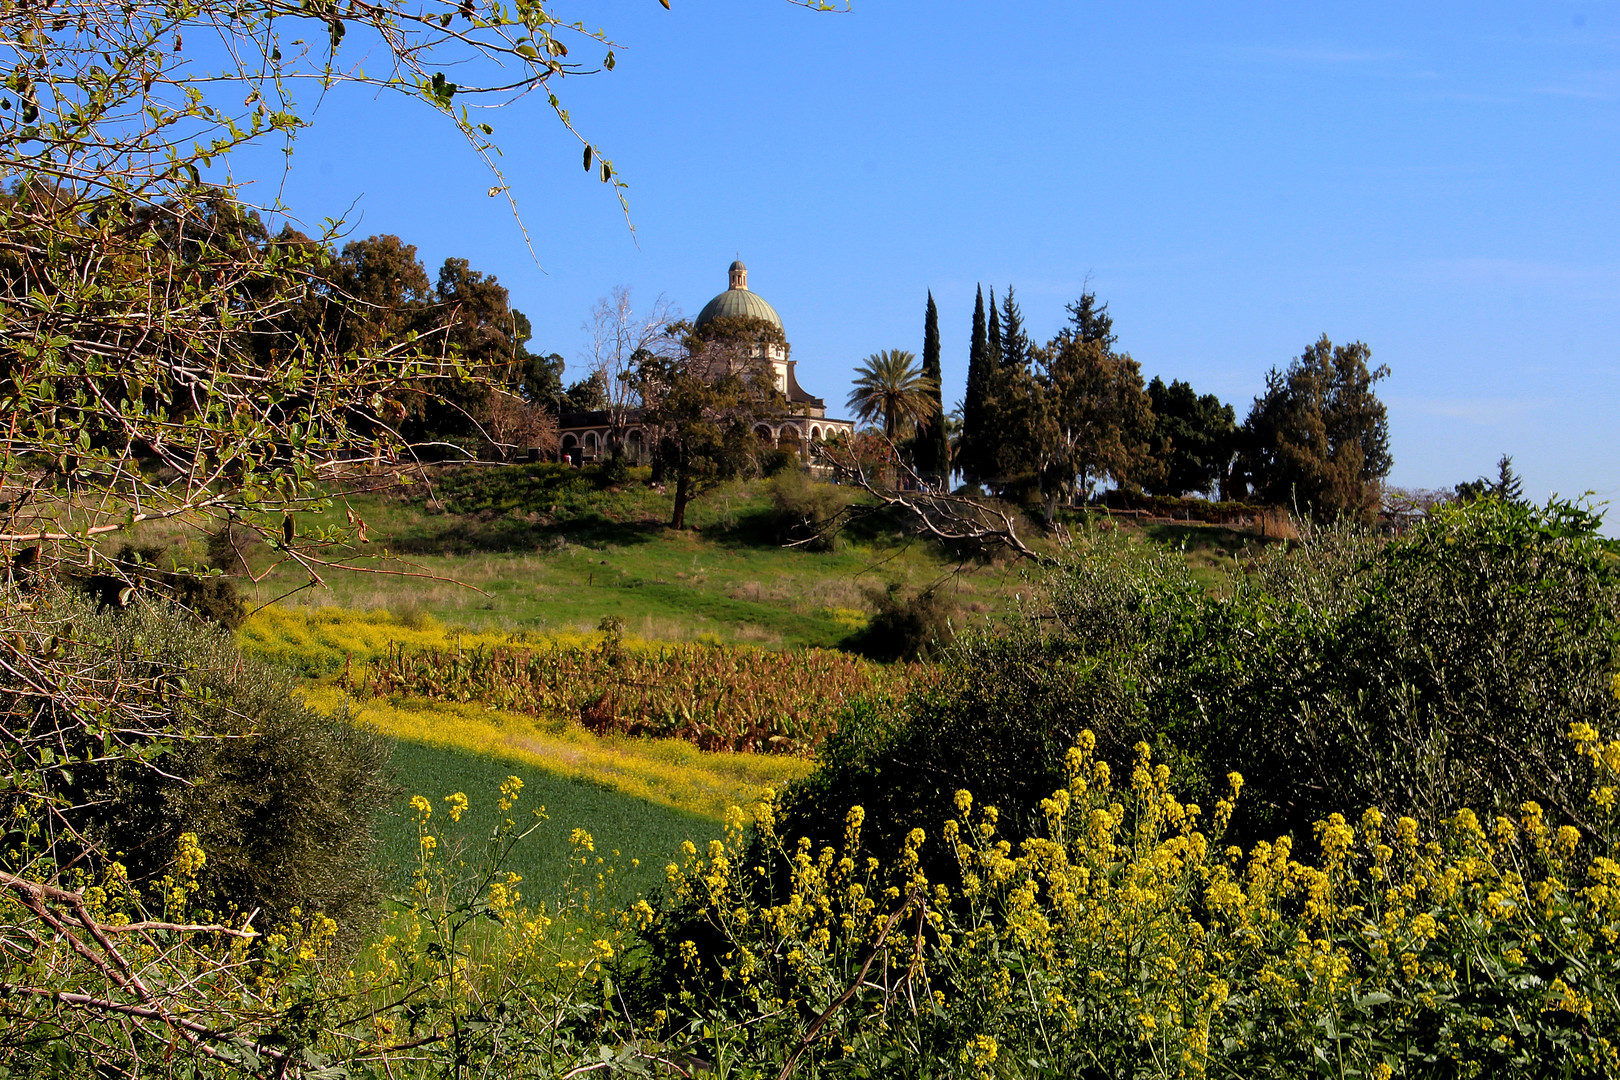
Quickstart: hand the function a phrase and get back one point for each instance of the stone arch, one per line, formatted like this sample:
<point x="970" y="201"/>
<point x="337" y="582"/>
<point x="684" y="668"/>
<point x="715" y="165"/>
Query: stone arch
<point x="815" y="433"/>
<point x="569" y="441"/>
<point x="635" y="446"/>
<point x="765" y="435"/>
<point x="592" y="444"/>
<point x="788" y="439"/>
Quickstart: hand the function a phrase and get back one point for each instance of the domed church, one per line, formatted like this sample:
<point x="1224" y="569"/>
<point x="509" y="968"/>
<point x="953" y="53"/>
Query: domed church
<point x="805" y="421"/>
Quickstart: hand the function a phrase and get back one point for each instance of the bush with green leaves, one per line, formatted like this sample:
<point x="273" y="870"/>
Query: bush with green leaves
<point x="804" y="510"/>
<point x="1418" y="675"/>
<point x="907" y="624"/>
<point x="281" y="798"/>
<point x="1124" y="937"/>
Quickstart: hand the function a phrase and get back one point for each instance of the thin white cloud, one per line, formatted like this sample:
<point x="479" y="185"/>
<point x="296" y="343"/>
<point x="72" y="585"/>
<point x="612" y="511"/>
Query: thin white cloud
<point x="1584" y="86"/>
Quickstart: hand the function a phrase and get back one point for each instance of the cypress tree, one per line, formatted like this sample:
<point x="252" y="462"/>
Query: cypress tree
<point x="993" y="338"/>
<point x="975" y="401"/>
<point x="1016" y="405"/>
<point x="933" y="450"/>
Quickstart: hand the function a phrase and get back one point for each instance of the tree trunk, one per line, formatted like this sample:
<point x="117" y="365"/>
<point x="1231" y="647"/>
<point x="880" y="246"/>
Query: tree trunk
<point x="683" y="493"/>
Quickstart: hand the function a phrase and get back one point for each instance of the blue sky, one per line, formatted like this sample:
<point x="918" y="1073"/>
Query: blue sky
<point x="1436" y="179"/>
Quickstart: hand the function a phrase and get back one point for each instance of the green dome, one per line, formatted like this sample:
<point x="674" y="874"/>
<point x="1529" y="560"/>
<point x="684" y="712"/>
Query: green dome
<point x="737" y="300"/>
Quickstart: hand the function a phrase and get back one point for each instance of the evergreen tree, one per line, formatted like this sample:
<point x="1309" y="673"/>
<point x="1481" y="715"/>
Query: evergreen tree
<point x="1017" y="408"/>
<point x="1194" y="437"/>
<point x="987" y="449"/>
<point x="1014" y="343"/>
<point x="1099" y="419"/>
<point x="1318" y="438"/>
<point x="993" y="336"/>
<point x="1090" y="323"/>
<point x="932" y="452"/>
<point x="1507" y="485"/>
<point x="975" y="433"/>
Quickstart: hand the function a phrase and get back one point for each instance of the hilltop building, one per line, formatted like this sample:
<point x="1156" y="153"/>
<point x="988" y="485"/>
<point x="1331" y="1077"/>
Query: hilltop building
<point x="584" y="435"/>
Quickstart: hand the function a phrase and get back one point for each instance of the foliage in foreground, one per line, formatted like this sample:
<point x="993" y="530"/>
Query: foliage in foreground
<point x="1420" y="675"/>
<point x="1123" y="940"/>
<point x="280" y="797"/>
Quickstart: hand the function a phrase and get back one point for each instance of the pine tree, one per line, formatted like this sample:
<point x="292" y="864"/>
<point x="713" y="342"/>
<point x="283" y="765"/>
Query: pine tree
<point x="1016" y="412"/>
<point x="1014" y="342"/>
<point x="1318" y="438"/>
<point x="933" y="451"/>
<point x="1089" y="322"/>
<point x="1099" y="419"/>
<point x="1508" y="486"/>
<point x="976" y="400"/>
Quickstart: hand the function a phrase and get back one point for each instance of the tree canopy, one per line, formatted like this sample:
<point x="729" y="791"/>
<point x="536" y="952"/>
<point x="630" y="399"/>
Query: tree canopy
<point x="700" y="402"/>
<point x="1318" y="438"/>
<point x="1194" y="437"/>
<point x="890" y="386"/>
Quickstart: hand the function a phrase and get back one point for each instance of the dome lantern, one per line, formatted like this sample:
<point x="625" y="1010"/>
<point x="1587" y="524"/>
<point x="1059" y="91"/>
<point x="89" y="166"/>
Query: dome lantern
<point x="737" y="300"/>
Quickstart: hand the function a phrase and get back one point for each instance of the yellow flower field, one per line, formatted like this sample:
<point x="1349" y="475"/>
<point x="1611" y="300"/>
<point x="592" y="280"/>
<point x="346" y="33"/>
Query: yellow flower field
<point x="668" y="772"/>
<point x="321" y="641"/>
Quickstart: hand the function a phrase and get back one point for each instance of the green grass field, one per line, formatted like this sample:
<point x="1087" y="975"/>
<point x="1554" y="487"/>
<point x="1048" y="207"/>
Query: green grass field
<point x="637" y="829"/>
<point x="544" y="549"/>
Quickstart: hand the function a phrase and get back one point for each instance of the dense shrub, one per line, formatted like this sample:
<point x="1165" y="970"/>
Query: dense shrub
<point x="1123" y="938"/>
<point x="281" y="799"/>
<point x="1438" y="671"/>
<point x="907" y="624"/>
<point x="1006" y="706"/>
<point x="151" y="570"/>
<point x="1418" y="675"/>
<point x="804" y="510"/>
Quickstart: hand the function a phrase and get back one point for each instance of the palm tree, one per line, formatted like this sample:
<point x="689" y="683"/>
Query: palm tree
<point x="891" y="385"/>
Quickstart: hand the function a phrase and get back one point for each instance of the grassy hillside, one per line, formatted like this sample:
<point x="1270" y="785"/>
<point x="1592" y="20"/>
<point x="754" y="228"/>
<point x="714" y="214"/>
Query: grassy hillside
<point x="545" y="548"/>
